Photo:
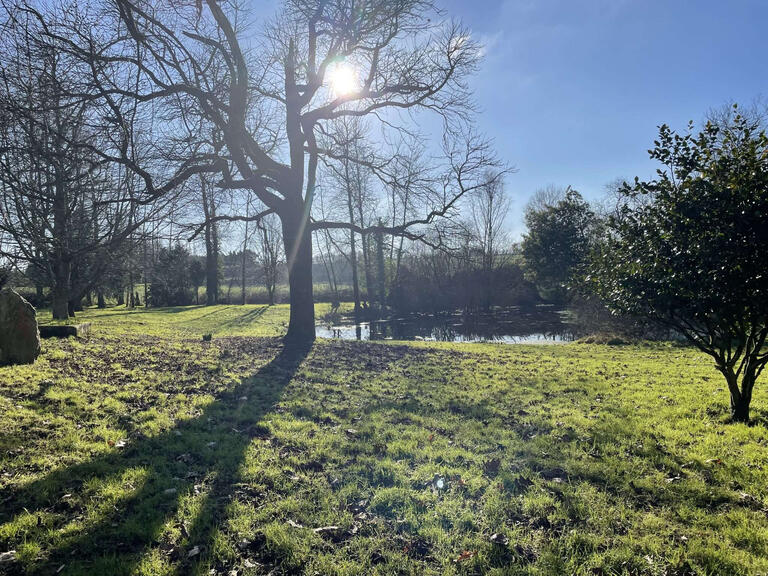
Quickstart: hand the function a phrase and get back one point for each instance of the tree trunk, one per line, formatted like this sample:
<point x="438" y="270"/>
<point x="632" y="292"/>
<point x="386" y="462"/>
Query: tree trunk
<point x="352" y="242"/>
<point x="74" y="305"/>
<point x="381" y="279"/>
<point x="298" y="249"/>
<point x="144" y="267"/>
<point x="211" y="250"/>
<point x="211" y="273"/>
<point x="739" y="409"/>
<point x="100" y="302"/>
<point x="60" y="298"/>
<point x="242" y="281"/>
<point x="355" y="279"/>
<point x="245" y="247"/>
<point x="741" y="397"/>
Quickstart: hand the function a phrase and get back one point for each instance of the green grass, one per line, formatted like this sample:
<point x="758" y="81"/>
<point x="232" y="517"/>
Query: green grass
<point x="191" y="321"/>
<point x="144" y="450"/>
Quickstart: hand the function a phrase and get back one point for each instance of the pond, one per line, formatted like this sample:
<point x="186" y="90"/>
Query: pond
<point x="541" y="324"/>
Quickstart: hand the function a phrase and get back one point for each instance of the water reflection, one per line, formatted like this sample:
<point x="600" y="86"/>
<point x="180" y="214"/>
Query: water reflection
<point x="515" y="325"/>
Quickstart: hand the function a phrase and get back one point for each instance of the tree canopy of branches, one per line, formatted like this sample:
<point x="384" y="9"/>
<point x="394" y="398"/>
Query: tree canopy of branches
<point x="260" y="110"/>
<point x="693" y="255"/>
<point x="64" y="209"/>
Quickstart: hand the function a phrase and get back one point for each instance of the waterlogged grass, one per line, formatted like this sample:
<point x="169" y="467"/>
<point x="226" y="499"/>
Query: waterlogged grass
<point x="144" y="450"/>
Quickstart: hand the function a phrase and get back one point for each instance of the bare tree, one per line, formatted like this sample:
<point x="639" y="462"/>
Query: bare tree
<point x="546" y="197"/>
<point x="489" y="209"/>
<point x="269" y="253"/>
<point x="211" y="227"/>
<point x="267" y="107"/>
<point x="64" y="209"/>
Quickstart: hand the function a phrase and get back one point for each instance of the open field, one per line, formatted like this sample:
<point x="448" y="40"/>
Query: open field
<point x="192" y="322"/>
<point x="144" y="450"/>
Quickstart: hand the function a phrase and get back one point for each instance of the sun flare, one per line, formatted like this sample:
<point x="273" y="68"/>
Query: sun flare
<point x="344" y="80"/>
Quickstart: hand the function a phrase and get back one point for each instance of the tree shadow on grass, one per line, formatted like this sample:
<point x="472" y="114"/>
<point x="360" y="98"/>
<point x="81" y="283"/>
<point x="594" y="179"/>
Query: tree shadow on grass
<point x="244" y="319"/>
<point x="200" y="457"/>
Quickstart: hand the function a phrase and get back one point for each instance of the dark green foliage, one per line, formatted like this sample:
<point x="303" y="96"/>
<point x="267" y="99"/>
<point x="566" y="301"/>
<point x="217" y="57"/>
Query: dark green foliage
<point x="688" y="249"/>
<point x="170" y="283"/>
<point x="557" y="246"/>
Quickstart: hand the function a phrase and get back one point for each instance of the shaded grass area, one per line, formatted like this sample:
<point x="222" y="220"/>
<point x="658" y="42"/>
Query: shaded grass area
<point x="142" y="452"/>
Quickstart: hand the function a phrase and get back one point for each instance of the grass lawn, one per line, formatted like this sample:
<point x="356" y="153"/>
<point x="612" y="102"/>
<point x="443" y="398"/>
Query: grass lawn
<point x="144" y="450"/>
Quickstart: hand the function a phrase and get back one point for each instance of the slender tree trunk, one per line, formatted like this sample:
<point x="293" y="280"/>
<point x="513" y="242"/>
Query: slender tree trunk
<point x="355" y="279"/>
<point x="399" y="258"/>
<point x="330" y="273"/>
<point x="352" y="243"/>
<point x="100" y="302"/>
<point x="211" y="270"/>
<point x="144" y="271"/>
<point x="62" y="266"/>
<point x="211" y="250"/>
<point x="242" y="281"/>
<point x="229" y="290"/>
<point x="245" y="247"/>
<point x="298" y="250"/>
<point x="381" y="271"/>
<point x="131" y="301"/>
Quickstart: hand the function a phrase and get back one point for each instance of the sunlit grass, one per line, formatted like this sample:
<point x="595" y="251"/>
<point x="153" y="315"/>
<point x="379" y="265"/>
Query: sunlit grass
<point x="147" y="451"/>
<point x="191" y="321"/>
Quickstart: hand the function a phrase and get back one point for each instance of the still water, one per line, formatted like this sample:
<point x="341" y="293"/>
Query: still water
<point x="542" y="324"/>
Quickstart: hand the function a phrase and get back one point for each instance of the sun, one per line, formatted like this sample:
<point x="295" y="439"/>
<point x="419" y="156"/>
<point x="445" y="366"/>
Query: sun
<point x="343" y="79"/>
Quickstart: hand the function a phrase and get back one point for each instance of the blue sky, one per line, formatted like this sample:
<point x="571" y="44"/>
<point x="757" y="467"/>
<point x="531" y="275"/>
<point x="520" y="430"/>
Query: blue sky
<point x="572" y="90"/>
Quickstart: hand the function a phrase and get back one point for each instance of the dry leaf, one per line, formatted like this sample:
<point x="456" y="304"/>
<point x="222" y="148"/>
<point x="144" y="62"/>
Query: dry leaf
<point x="466" y="555"/>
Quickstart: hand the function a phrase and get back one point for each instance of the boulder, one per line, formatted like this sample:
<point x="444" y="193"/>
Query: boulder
<point x="19" y="336"/>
